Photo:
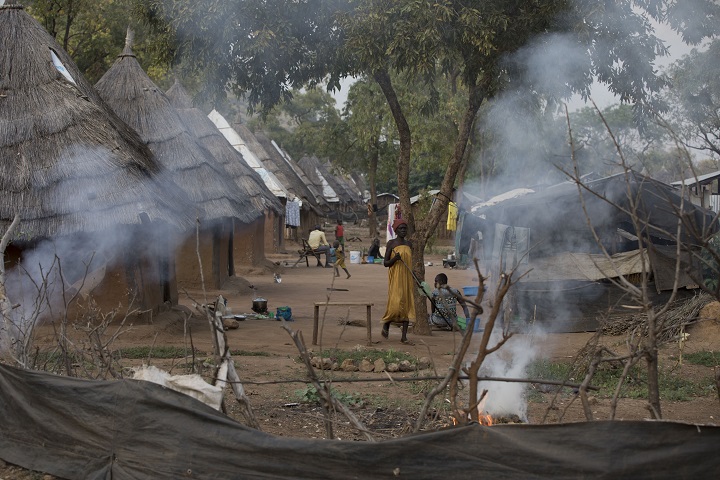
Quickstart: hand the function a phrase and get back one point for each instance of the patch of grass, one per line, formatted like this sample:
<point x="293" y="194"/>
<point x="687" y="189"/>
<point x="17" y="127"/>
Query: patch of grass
<point x="248" y="353"/>
<point x="157" y="351"/>
<point x="309" y="394"/>
<point x="705" y="358"/>
<point x="672" y="386"/>
<point x="389" y="356"/>
<point x="545" y="370"/>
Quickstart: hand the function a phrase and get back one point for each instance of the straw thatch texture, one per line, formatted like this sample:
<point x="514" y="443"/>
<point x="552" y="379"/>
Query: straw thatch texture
<point x="294" y="174"/>
<point x="138" y="101"/>
<point x="289" y="181"/>
<point x="248" y="182"/>
<point x="334" y="181"/>
<point x="67" y="164"/>
<point x="353" y="192"/>
<point x="309" y="166"/>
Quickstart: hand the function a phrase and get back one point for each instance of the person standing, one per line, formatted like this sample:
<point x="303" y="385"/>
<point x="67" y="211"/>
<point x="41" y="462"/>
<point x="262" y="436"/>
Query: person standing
<point x="340" y="233"/>
<point x="339" y="259"/>
<point x="401" y="305"/>
<point x="319" y="243"/>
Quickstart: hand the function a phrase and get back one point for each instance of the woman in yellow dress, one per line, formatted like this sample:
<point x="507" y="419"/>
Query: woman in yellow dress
<point x="400" y="305"/>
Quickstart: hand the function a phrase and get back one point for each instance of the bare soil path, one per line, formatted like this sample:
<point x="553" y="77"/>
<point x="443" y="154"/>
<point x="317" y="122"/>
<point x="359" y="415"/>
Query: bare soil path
<point x="266" y="353"/>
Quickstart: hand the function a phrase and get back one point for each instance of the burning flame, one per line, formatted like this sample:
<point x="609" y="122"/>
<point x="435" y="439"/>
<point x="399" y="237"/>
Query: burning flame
<point x="486" y="420"/>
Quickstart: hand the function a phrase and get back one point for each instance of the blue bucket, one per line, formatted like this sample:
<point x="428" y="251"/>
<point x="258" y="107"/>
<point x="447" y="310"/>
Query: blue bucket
<point x="370" y="259"/>
<point x="470" y="291"/>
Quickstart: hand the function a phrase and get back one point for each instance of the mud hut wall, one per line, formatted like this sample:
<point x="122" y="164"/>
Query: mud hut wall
<point x="131" y="279"/>
<point x="214" y="248"/>
<point x="308" y="219"/>
<point x="273" y="231"/>
<point x="249" y="243"/>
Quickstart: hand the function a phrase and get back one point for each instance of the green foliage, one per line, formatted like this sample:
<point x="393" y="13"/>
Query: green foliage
<point x="156" y="351"/>
<point x="247" y="353"/>
<point x="707" y="358"/>
<point x="93" y="33"/>
<point x="546" y="370"/>
<point x="672" y="386"/>
<point x="309" y="394"/>
<point x="696" y="92"/>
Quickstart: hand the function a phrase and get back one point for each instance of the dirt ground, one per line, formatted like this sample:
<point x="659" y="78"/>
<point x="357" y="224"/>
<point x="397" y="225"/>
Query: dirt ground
<point x="389" y="409"/>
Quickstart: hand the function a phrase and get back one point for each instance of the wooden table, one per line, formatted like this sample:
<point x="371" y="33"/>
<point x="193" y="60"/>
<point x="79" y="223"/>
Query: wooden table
<point x="316" y="318"/>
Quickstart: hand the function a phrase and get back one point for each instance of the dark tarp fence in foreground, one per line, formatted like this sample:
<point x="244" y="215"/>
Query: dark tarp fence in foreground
<point x="131" y="429"/>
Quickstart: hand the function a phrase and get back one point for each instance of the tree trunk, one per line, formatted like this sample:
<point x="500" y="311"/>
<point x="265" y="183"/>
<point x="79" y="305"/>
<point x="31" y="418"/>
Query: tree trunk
<point x="419" y="234"/>
<point x="372" y="174"/>
<point x="651" y="358"/>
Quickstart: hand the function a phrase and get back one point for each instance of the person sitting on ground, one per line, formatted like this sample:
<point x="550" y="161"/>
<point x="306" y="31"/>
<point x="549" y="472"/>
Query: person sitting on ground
<point x="339" y="259"/>
<point x="375" y="249"/>
<point x="319" y="243"/>
<point x="444" y="304"/>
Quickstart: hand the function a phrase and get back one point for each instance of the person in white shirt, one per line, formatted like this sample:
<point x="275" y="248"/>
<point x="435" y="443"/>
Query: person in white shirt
<point x="319" y="243"/>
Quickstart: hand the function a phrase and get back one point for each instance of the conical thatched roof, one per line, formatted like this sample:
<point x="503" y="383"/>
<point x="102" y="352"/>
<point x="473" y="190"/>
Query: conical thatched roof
<point x="311" y="168"/>
<point x="238" y="143"/>
<point x="337" y="184"/>
<point x="290" y="182"/>
<point x="248" y="182"/>
<point x="137" y="100"/>
<point x="67" y="164"/>
<point x="347" y="183"/>
<point x="293" y="173"/>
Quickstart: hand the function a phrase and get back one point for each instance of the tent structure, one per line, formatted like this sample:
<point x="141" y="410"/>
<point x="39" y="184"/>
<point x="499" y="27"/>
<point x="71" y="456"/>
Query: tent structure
<point x="134" y="429"/>
<point x="275" y="231"/>
<point x="248" y="240"/>
<point x="80" y="180"/>
<point x="566" y="284"/>
<point x="136" y="99"/>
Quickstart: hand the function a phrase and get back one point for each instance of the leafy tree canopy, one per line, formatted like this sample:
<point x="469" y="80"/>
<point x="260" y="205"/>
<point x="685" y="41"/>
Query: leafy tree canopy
<point x="696" y="93"/>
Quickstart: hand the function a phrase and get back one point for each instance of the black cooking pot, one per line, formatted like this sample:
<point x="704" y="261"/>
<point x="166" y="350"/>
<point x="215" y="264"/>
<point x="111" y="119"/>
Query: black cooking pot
<point x="259" y="305"/>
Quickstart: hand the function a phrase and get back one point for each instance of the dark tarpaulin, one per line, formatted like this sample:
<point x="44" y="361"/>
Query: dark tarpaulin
<point x="131" y="429"/>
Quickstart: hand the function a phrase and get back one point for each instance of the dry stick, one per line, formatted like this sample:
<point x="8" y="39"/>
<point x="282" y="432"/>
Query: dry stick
<point x="225" y="365"/>
<point x="5" y="304"/>
<point x="392" y="379"/>
<point x="227" y="374"/>
<point x="640" y="294"/>
<point x="453" y="375"/>
<point x="650" y="350"/>
<point x="582" y="391"/>
<point x="323" y="388"/>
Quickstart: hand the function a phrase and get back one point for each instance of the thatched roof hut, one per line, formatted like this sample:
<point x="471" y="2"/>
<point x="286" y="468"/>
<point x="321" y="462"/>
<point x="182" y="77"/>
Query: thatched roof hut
<point x="88" y="191"/>
<point x="238" y="143"/>
<point x="249" y="241"/>
<point x="143" y="105"/>
<point x="348" y="183"/>
<point x="287" y="168"/>
<point x="67" y="164"/>
<point x="248" y="182"/>
<point x="311" y="168"/>
<point x="338" y="184"/>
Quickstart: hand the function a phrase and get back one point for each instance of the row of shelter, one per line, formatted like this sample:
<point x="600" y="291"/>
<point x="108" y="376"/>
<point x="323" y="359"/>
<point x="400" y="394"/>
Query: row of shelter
<point x="124" y="193"/>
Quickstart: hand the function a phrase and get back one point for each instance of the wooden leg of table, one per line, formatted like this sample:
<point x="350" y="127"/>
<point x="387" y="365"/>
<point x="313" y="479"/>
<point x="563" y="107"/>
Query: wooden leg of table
<point x="369" y="325"/>
<point x="315" y="324"/>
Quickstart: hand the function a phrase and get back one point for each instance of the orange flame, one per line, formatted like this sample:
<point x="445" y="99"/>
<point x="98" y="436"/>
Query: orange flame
<point x="486" y="420"/>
